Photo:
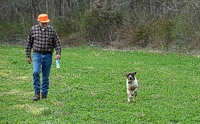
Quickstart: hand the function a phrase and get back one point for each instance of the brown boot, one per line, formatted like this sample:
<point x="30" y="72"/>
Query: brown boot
<point x="36" y="96"/>
<point x="44" y="97"/>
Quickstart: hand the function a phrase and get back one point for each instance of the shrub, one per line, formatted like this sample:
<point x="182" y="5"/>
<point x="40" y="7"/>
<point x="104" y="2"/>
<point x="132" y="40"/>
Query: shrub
<point x="65" y="26"/>
<point x="14" y="31"/>
<point x="161" y="34"/>
<point x="185" y="33"/>
<point x="100" y="26"/>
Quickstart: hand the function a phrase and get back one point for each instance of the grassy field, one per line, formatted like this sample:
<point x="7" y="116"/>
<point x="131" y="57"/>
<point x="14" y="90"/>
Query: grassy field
<point x="89" y="88"/>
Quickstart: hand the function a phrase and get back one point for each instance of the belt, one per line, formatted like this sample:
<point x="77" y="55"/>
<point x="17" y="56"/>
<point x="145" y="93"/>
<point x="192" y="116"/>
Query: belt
<point x="44" y="52"/>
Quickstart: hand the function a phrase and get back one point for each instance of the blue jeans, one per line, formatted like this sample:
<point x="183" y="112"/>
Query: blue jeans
<point x="41" y="62"/>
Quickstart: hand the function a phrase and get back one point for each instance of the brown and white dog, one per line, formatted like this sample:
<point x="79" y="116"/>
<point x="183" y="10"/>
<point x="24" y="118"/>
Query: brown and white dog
<point x="131" y="85"/>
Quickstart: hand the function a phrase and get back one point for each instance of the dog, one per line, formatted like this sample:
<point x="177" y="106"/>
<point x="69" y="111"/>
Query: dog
<point x="131" y="85"/>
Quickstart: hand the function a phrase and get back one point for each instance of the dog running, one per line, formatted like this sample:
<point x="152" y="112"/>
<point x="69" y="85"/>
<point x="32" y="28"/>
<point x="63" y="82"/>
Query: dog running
<point x="131" y="85"/>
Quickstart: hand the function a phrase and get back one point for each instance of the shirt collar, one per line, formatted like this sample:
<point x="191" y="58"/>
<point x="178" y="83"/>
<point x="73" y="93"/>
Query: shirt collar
<point x="42" y="28"/>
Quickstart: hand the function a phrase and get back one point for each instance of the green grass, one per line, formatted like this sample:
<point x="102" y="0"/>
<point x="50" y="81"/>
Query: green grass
<point x="90" y="88"/>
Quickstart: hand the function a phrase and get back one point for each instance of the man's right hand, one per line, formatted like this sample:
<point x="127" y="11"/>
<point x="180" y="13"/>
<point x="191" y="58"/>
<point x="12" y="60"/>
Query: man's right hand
<point x="29" y="60"/>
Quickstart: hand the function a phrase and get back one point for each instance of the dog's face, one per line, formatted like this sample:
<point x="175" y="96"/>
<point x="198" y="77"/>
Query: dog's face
<point x="130" y="76"/>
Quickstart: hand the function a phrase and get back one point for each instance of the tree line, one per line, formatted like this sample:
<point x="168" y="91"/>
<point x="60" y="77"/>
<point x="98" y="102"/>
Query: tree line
<point x="167" y="25"/>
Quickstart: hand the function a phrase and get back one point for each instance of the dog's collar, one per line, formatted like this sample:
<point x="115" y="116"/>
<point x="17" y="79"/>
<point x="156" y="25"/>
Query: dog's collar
<point x="130" y="81"/>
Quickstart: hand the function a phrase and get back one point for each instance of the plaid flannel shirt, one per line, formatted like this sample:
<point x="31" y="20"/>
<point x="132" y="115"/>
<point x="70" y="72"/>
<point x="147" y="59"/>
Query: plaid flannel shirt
<point x="42" y="41"/>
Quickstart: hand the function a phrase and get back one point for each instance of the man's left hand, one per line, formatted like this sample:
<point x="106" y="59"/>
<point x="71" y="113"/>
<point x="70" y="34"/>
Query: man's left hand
<point x="57" y="57"/>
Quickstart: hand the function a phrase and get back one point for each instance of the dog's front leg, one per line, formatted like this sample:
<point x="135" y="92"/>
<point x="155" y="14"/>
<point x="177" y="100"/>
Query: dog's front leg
<point x="135" y="94"/>
<point x="129" y="95"/>
<point x="134" y="91"/>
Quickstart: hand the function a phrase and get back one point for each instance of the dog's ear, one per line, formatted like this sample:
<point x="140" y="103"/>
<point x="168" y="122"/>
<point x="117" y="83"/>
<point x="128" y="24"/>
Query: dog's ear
<point x="134" y="73"/>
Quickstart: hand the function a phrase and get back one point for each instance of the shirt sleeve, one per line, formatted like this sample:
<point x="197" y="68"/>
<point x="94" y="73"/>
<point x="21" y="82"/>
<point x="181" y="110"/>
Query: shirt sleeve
<point x="29" y="45"/>
<point x="57" y="43"/>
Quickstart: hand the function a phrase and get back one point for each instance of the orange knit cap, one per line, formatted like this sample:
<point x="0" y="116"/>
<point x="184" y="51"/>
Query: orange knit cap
<point x="43" y="18"/>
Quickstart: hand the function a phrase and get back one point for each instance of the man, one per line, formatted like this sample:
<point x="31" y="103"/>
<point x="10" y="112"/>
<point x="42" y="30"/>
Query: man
<point x="42" y="39"/>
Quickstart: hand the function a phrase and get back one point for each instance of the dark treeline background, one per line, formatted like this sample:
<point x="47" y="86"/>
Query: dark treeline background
<point x="164" y="25"/>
